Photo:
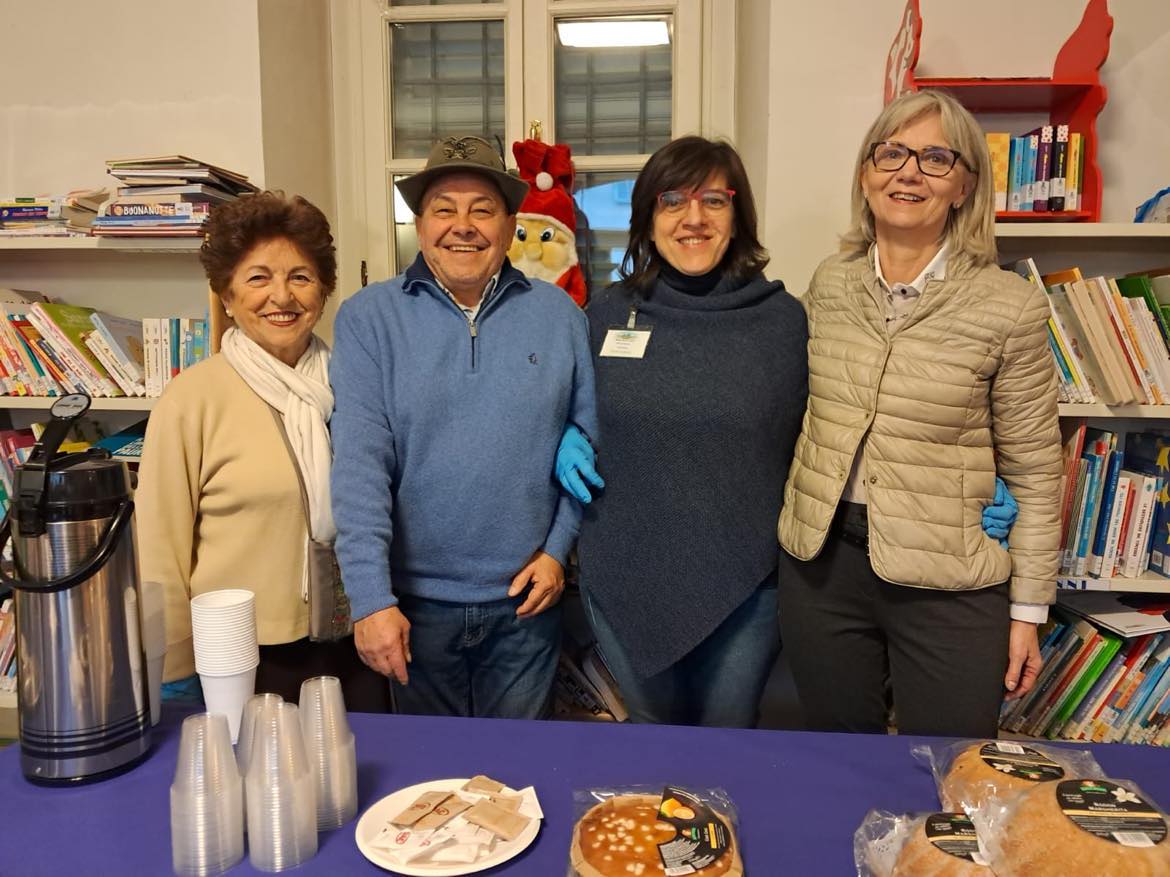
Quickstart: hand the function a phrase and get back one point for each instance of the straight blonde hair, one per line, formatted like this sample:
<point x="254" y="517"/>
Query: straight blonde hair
<point x="970" y="229"/>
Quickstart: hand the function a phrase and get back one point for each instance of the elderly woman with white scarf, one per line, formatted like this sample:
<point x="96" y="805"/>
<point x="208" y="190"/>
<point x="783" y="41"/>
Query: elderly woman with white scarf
<point x="234" y="482"/>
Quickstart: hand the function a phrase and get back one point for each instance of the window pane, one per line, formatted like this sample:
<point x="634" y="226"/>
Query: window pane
<point x="603" y="224"/>
<point x="613" y="100"/>
<point x="446" y="78"/>
<point x="405" y="238"/>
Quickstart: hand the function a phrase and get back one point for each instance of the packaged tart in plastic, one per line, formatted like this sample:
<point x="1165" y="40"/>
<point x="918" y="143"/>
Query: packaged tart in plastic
<point x="1079" y="825"/>
<point x="654" y="832"/>
<point x="970" y="772"/>
<point x="918" y="845"/>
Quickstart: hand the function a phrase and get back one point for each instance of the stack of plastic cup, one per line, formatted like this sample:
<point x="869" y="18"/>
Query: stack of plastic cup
<point x="330" y="747"/>
<point x="258" y="710"/>
<point x="152" y="606"/>
<point x="207" y="807"/>
<point x="282" y="808"/>
<point x="223" y="628"/>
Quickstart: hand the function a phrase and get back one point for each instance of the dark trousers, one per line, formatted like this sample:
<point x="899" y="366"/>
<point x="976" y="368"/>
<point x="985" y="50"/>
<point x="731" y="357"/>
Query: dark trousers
<point x="284" y="667"/>
<point x="478" y="659"/>
<point x="846" y="631"/>
<point x="719" y="683"/>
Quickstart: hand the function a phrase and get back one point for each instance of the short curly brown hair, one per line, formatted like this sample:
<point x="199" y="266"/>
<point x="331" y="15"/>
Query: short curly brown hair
<point x="233" y="229"/>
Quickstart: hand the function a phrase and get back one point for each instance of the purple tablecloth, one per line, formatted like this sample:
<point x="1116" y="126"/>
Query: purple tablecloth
<point x="799" y="796"/>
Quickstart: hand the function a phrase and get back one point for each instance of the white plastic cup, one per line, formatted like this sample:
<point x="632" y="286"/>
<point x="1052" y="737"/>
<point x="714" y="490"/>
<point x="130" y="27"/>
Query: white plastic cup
<point x="223" y="629"/>
<point x="207" y="826"/>
<point x="226" y="695"/>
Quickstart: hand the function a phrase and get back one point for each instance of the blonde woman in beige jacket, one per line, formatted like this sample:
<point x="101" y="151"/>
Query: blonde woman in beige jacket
<point x="929" y="373"/>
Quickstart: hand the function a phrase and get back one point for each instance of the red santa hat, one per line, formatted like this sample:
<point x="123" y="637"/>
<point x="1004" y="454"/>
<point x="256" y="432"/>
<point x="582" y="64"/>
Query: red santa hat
<point x="548" y="170"/>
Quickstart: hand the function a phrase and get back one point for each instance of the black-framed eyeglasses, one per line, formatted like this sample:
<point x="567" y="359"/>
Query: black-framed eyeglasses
<point x="934" y="161"/>
<point x="710" y="200"/>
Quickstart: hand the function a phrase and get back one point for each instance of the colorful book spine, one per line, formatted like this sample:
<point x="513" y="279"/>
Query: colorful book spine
<point x="1105" y="518"/>
<point x="1122" y="503"/>
<point x="1057" y="179"/>
<point x="1031" y="152"/>
<point x="999" y="148"/>
<point x="1043" y="169"/>
<point x="1019" y="148"/>
<point x="1076" y="169"/>
<point x="1086" y="529"/>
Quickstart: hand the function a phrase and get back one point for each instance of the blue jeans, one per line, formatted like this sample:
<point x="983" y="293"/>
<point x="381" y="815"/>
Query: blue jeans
<point x="478" y="659"/>
<point x="719" y="683"/>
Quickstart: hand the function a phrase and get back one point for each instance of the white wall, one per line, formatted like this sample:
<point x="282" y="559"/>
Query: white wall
<point x="808" y="92"/>
<point x="91" y="81"/>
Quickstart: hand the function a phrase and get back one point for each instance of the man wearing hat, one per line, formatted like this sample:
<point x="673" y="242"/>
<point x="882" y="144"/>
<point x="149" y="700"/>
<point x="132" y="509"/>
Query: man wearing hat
<point x="452" y="384"/>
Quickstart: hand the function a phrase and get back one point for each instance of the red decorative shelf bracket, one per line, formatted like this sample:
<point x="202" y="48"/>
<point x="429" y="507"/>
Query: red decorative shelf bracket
<point x="1073" y="95"/>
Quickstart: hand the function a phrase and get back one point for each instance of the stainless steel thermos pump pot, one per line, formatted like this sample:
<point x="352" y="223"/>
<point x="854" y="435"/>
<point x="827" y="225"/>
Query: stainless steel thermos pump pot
<point x="81" y="680"/>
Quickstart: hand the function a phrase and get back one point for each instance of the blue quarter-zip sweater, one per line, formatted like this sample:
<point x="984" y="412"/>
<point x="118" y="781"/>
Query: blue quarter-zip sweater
<point x="444" y="433"/>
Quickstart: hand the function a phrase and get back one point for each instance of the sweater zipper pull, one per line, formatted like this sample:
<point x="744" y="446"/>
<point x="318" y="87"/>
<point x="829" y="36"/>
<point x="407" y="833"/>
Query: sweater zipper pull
<point x="474" y="334"/>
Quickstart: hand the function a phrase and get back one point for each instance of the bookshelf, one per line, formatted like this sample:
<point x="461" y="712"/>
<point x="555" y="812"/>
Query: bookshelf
<point x="1073" y="95"/>
<point x="128" y="277"/>
<point x="44" y="403"/>
<point x="107" y="245"/>
<point x="1146" y="583"/>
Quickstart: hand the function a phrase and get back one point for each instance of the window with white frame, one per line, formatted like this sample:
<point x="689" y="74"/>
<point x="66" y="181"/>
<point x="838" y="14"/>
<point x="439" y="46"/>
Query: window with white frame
<point x="614" y="79"/>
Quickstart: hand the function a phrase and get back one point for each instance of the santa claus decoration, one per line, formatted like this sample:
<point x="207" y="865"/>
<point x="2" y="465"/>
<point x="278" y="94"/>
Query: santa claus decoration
<point x="545" y="245"/>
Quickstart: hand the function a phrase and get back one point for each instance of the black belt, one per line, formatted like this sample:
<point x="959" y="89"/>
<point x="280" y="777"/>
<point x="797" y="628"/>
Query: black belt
<point x="851" y="523"/>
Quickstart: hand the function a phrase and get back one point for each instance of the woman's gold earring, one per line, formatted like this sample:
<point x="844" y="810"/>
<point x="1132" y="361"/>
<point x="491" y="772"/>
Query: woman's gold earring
<point x="226" y="311"/>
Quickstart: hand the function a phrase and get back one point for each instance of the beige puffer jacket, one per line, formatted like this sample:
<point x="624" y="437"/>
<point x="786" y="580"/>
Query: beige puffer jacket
<point x="965" y="389"/>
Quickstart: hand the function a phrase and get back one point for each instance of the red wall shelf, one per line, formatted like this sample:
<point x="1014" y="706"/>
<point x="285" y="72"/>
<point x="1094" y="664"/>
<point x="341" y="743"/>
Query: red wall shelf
<point x="1072" y="96"/>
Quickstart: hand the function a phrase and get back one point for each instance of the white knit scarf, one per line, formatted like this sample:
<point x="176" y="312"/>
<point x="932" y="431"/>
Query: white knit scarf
<point x="305" y="402"/>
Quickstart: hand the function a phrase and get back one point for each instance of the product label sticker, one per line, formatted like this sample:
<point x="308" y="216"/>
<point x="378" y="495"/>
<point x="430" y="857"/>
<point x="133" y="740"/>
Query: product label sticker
<point x="1021" y="762"/>
<point x="954" y="833"/>
<point x="625" y="342"/>
<point x="1111" y="812"/>
<point x="702" y="837"/>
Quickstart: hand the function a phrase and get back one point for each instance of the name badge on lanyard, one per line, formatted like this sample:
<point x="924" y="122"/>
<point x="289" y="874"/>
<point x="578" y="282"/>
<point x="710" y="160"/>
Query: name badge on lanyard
<point x="628" y="341"/>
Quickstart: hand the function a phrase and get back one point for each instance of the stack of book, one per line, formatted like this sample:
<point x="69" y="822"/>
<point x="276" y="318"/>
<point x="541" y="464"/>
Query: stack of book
<point x="168" y="196"/>
<point x="1038" y="172"/>
<point x="48" y="349"/>
<point x="1115" y="516"/>
<point x="69" y="215"/>
<point x="1109" y="337"/>
<point x="1096" y="685"/>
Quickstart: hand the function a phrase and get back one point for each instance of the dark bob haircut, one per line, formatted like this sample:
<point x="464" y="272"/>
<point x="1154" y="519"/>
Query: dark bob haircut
<point x="685" y="164"/>
<point x="233" y="229"/>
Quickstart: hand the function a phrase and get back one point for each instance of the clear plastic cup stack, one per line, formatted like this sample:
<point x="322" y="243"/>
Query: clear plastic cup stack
<point x="329" y="745"/>
<point x="282" y="808"/>
<point x="207" y="807"/>
<point x="258" y="709"/>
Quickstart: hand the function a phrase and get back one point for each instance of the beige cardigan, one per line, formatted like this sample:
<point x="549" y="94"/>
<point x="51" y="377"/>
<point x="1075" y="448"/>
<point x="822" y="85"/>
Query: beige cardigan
<point x="219" y="506"/>
<point x="965" y="390"/>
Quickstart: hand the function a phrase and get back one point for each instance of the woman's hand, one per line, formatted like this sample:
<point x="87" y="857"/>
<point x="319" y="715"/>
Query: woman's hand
<point x="575" y="464"/>
<point x="548" y="581"/>
<point x="1024" y="661"/>
<point x="383" y="642"/>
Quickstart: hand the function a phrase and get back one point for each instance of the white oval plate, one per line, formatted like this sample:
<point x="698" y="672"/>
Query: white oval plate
<point x="378" y="815"/>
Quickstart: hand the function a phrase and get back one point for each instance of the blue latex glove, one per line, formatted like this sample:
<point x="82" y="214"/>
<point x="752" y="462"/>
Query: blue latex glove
<point x="575" y="465"/>
<point x="1001" y="514"/>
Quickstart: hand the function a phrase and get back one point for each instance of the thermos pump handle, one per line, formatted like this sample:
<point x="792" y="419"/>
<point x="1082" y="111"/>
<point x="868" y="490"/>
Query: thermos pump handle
<point x="96" y="560"/>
